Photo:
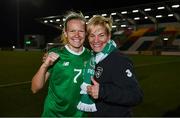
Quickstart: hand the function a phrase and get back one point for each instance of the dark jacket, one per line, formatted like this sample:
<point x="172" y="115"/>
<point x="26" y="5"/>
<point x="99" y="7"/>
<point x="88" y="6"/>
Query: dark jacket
<point x="119" y="90"/>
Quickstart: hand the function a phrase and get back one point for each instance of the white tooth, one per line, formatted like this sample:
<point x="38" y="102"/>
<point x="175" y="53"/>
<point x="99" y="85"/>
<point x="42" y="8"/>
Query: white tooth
<point x="76" y="40"/>
<point x="96" y="45"/>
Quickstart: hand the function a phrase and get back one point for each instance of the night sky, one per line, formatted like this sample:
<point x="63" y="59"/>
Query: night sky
<point x="18" y="16"/>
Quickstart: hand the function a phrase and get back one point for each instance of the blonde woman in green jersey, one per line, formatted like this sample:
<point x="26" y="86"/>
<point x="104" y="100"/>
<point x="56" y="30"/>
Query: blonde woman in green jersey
<point x="63" y="72"/>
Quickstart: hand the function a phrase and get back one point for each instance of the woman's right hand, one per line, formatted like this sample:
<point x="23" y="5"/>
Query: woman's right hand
<point x="49" y="59"/>
<point x="44" y="57"/>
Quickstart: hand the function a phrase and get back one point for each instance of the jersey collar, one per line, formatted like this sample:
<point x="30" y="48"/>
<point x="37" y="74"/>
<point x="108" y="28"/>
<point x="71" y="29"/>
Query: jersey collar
<point x="75" y="53"/>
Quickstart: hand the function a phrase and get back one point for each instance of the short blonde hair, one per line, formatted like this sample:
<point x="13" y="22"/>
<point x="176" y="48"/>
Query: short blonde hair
<point x="102" y="21"/>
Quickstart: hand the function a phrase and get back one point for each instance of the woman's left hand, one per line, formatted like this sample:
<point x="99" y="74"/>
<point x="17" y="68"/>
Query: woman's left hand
<point x="93" y="90"/>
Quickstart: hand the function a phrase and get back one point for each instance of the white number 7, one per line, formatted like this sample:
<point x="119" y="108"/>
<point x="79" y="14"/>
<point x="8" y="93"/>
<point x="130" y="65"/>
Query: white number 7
<point x="79" y="72"/>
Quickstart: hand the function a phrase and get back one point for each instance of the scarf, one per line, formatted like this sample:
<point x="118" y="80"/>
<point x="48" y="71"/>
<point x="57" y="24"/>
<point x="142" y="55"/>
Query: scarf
<point x="87" y="102"/>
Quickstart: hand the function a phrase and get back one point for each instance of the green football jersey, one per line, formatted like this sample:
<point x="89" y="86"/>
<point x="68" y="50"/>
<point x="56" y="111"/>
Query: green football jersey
<point x="64" y="84"/>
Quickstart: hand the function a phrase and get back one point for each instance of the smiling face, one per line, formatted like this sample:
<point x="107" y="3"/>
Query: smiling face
<point x="75" y="34"/>
<point x="98" y="37"/>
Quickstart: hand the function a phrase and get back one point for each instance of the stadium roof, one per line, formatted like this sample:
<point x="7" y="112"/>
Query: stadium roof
<point x="18" y="16"/>
<point x="151" y="13"/>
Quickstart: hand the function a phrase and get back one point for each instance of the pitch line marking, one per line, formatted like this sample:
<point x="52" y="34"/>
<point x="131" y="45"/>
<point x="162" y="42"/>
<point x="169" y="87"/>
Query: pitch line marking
<point x="15" y="84"/>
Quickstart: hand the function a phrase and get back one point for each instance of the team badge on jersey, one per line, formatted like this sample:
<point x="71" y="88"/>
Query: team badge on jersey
<point x="99" y="71"/>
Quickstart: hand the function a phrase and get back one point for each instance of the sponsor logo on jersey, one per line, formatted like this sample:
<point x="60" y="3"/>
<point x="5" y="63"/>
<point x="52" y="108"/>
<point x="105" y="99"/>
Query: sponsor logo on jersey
<point x="65" y="63"/>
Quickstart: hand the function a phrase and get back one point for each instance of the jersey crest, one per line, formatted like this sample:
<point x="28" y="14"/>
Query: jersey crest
<point x="98" y="72"/>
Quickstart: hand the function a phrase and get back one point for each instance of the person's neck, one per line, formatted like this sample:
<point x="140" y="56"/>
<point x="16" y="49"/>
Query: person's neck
<point x="75" y="50"/>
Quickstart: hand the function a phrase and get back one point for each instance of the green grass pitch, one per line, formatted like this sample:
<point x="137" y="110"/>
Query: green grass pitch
<point x="159" y="77"/>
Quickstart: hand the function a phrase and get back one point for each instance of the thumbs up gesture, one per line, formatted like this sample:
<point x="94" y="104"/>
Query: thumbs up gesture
<point x="93" y="90"/>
